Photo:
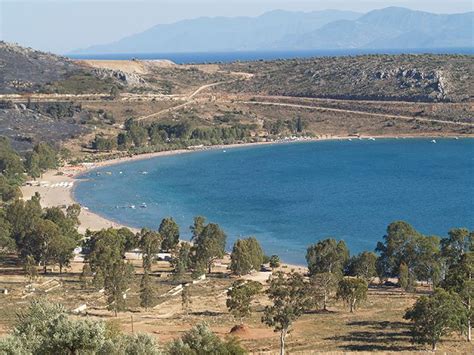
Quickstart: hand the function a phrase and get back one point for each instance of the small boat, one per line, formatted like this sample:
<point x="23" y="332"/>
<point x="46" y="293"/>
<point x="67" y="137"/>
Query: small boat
<point x="456" y="138"/>
<point x="223" y="151"/>
<point x="371" y="138"/>
<point x="144" y="172"/>
<point x="433" y="141"/>
<point x="132" y="207"/>
<point x="143" y="205"/>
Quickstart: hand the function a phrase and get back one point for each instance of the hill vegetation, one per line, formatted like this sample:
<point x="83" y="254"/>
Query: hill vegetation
<point x="86" y="105"/>
<point x="375" y="77"/>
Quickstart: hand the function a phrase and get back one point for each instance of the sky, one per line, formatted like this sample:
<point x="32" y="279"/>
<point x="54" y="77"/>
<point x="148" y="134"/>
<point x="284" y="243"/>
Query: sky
<point x="61" y="26"/>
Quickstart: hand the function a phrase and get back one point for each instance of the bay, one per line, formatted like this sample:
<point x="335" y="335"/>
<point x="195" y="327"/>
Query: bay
<point x="292" y="195"/>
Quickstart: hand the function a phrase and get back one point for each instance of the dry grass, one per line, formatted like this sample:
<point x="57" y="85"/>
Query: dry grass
<point x="377" y="326"/>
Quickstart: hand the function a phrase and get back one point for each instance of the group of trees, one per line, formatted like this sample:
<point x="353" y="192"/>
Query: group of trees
<point x="14" y="168"/>
<point x="45" y="236"/>
<point x="280" y="126"/>
<point x="406" y="254"/>
<point x="160" y="134"/>
<point x="46" y="328"/>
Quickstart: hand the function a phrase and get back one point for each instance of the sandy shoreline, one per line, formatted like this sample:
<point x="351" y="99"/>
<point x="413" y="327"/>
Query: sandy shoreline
<point x="56" y="186"/>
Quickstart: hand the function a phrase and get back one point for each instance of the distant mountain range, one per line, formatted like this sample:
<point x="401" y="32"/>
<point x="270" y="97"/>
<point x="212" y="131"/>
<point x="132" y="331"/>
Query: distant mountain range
<point x="389" y="28"/>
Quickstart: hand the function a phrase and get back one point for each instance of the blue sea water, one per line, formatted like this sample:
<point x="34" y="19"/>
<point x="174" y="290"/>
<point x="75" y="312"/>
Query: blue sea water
<point x="226" y="57"/>
<point x="292" y="195"/>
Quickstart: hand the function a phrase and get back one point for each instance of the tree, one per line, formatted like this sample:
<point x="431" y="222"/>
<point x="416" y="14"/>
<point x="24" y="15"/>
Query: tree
<point x="363" y="265"/>
<point x="105" y="252"/>
<point x="186" y="298"/>
<point x="7" y="243"/>
<point x="104" y="144"/>
<point x="147" y="293"/>
<point x="30" y="268"/>
<point x="103" y="249"/>
<point x="72" y="213"/>
<point x="169" y="231"/>
<point x="406" y="279"/>
<point x="459" y="278"/>
<point x="11" y="166"/>
<point x="327" y="255"/>
<point x="324" y="286"/>
<point x="8" y="191"/>
<point x="201" y="340"/>
<point x="353" y="291"/>
<point x="209" y="246"/>
<point x="197" y="227"/>
<point x="247" y="255"/>
<point x="150" y="243"/>
<point x="290" y="299"/>
<point x="130" y="240"/>
<point x="32" y="165"/>
<point x="45" y="328"/>
<point x="274" y="261"/>
<point x="240" y="296"/>
<point x="45" y="243"/>
<point x="434" y="317"/>
<point x="86" y="275"/>
<point x="137" y="344"/>
<point x="47" y="155"/>
<point x="116" y="281"/>
<point x="22" y="217"/>
<point x="182" y="261"/>
<point x="459" y="242"/>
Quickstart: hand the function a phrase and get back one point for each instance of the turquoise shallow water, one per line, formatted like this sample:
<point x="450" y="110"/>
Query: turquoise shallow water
<point x="292" y="195"/>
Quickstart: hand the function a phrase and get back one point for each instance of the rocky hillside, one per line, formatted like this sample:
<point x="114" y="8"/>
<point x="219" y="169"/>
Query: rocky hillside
<point x="24" y="70"/>
<point x="447" y="78"/>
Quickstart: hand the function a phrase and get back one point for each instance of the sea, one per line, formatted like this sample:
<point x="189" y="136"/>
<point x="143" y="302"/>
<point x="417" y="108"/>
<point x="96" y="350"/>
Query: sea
<point x="226" y="57"/>
<point x="292" y="195"/>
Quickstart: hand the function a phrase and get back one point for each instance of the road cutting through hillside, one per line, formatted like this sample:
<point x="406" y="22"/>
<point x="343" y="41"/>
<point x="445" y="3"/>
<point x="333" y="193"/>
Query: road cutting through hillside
<point x="382" y="115"/>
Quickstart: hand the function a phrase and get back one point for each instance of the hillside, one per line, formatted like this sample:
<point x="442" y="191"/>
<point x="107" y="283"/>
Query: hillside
<point x="374" y="77"/>
<point x="389" y="28"/>
<point x="25" y="70"/>
<point x="338" y="96"/>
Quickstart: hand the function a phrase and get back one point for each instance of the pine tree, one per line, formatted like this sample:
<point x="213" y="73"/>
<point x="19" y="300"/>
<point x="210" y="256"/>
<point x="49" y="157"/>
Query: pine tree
<point x="186" y="298"/>
<point x="85" y="276"/>
<point x="147" y="292"/>
<point x="30" y="268"/>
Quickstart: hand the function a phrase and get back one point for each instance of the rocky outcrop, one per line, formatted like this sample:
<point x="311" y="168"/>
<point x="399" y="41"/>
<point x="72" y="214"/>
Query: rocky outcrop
<point x="129" y="79"/>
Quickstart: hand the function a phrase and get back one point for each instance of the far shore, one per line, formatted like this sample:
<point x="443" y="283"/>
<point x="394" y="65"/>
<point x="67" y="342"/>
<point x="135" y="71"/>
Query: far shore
<point x="56" y="186"/>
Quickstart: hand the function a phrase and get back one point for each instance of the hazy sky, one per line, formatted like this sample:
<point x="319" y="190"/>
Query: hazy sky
<point x="64" y="25"/>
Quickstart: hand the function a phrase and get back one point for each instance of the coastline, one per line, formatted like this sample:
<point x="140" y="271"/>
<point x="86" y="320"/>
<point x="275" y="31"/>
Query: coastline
<point x="56" y="187"/>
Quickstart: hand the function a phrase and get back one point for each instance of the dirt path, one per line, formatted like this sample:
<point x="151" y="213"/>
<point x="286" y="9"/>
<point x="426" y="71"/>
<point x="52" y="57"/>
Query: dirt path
<point x="382" y="115"/>
<point x="188" y="101"/>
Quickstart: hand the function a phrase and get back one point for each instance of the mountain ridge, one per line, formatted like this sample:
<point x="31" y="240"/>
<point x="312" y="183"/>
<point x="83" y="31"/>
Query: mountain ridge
<point x="387" y="28"/>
